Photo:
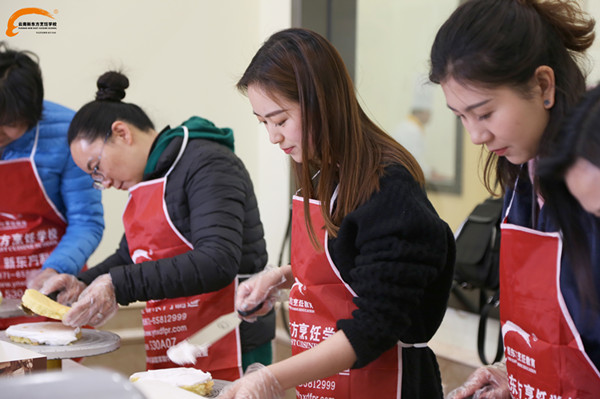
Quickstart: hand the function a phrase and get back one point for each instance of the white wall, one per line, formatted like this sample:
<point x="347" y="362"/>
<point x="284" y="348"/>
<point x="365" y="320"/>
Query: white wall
<point x="593" y="55"/>
<point x="182" y="58"/>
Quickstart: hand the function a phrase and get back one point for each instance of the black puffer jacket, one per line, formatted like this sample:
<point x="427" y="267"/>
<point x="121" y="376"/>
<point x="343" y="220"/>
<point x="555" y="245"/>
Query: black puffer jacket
<point x="211" y="201"/>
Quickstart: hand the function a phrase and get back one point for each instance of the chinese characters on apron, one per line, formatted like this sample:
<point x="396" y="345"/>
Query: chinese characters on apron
<point x="545" y="357"/>
<point x="30" y="227"/>
<point x="151" y="235"/>
<point x="318" y="298"/>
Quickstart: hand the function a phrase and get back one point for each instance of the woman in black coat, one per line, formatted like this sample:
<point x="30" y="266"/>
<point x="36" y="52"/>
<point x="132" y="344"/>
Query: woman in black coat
<point x="192" y="228"/>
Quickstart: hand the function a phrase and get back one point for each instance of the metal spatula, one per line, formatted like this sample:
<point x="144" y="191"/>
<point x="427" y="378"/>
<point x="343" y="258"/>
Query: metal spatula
<point x="186" y="351"/>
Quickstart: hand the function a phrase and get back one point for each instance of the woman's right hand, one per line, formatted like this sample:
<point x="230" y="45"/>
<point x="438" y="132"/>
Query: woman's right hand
<point x="488" y="382"/>
<point x="96" y="304"/>
<point x="69" y="288"/>
<point x="262" y="288"/>
<point x="257" y="383"/>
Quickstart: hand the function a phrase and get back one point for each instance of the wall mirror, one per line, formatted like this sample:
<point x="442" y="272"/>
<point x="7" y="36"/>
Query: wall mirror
<point x="386" y="45"/>
<point x="393" y="42"/>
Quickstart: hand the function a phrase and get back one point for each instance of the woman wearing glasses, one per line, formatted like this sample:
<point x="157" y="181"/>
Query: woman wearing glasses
<point x="51" y="219"/>
<point x="191" y="227"/>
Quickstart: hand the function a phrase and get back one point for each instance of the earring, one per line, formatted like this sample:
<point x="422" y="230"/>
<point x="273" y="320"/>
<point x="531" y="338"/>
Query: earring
<point x="547" y="103"/>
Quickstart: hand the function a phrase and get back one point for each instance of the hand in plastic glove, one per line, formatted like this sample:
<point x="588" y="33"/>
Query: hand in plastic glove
<point x="263" y="287"/>
<point x="36" y="279"/>
<point x="489" y="382"/>
<point x="69" y="288"/>
<point x="96" y="304"/>
<point x="257" y="383"/>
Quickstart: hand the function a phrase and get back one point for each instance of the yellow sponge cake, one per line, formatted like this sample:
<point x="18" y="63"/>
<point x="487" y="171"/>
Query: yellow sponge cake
<point x="190" y="379"/>
<point x="40" y="304"/>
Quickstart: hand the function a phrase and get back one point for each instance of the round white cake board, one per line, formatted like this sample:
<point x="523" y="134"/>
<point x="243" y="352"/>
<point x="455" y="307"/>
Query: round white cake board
<point x="92" y="342"/>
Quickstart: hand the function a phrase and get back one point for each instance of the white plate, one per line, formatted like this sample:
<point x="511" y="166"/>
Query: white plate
<point x="160" y="390"/>
<point x="91" y="343"/>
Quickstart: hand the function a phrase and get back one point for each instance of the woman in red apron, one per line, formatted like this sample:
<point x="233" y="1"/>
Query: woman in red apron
<point x="44" y="229"/>
<point x="545" y="354"/>
<point x="27" y="213"/>
<point x="512" y="98"/>
<point x="191" y="228"/>
<point x="371" y="262"/>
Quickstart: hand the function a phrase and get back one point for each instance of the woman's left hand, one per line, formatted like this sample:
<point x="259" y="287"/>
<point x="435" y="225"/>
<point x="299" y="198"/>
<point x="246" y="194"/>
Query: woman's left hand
<point x="37" y="279"/>
<point x="68" y="287"/>
<point x="96" y="304"/>
<point x="257" y="383"/>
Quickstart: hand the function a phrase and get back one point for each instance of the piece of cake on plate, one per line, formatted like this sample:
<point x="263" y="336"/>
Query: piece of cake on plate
<point x="188" y="378"/>
<point x="43" y="333"/>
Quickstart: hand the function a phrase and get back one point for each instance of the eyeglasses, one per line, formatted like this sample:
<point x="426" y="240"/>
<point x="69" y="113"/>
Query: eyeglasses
<point x="97" y="176"/>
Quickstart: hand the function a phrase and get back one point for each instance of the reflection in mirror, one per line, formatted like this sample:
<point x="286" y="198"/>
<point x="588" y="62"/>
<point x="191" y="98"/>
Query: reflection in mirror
<point x="392" y="65"/>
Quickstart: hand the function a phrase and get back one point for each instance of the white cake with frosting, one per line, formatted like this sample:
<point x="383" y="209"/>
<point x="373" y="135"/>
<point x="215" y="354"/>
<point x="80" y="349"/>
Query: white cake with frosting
<point x="190" y="379"/>
<point x="43" y="333"/>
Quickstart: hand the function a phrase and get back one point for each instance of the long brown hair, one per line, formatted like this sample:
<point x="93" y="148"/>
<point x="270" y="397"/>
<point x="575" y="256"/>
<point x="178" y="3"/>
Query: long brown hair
<point x="338" y="138"/>
<point x="502" y="43"/>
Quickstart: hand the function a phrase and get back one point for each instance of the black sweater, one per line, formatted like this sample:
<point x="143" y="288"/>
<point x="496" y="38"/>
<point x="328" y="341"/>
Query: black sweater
<point x="398" y="257"/>
<point x="211" y="201"/>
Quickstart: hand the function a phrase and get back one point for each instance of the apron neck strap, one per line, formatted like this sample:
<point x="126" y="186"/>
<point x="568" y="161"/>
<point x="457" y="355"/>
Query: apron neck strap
<point x="504" y="219"/>
<point x="333" y="198"/>
<point x="317" y="173"/>
<point x="186" y="136"/>
<point x="35" y="141"/>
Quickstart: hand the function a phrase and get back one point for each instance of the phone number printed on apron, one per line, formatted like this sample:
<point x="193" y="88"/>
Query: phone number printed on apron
<point x="10" y="283"/>
<point x="320" y="384"/>
<point x="164" y="319"/>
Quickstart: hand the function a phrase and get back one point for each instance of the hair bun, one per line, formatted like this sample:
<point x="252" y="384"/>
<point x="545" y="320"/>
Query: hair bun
<point x="111" y="86"/>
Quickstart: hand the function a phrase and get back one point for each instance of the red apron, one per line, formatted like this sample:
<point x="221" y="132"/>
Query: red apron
<point x="318" y="298"/>
<point x="545" y="357"/>
<point x="30" y="227"/>
<point x="151" y="235"/>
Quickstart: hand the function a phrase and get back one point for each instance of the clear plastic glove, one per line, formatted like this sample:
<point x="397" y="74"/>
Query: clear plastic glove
<point x="37" y="278"/>
<point x="96" y="304"/>
<point x="263" y="287"/>
<point x="257" y="383"/>
<point x="69" y="288"/>
<point x="489" y="382"/>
